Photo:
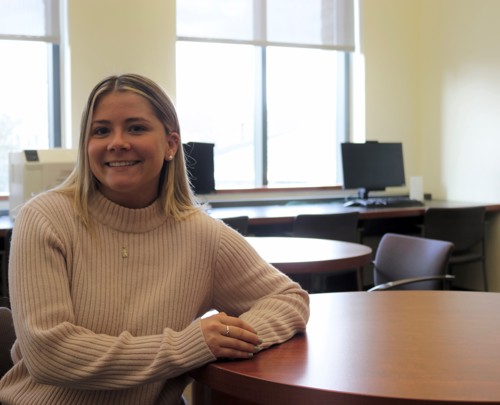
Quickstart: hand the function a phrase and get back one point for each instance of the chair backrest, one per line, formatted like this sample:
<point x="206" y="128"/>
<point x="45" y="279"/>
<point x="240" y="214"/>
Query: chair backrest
<point x="341" y="226"/>
<point x="464" y="227"/>
<point x="240" y="223"/>
<point x="402" y="256"/>
<point x="7" y="338"/>
<point x="4" y="265"/>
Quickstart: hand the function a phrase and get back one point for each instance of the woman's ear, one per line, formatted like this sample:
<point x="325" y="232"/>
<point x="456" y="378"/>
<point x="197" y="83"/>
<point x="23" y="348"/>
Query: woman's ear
<point x="173" y="141"/>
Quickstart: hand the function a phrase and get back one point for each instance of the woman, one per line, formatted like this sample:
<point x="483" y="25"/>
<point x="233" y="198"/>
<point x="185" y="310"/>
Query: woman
<point x="111" y="272"/>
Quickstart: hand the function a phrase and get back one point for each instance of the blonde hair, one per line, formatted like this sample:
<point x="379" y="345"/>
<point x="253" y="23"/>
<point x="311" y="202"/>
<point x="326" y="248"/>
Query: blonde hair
<point x="176" y="196"/>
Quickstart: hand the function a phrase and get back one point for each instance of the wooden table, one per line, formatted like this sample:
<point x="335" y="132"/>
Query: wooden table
<point x="285" y="214"/>
<point x="392" y="347"/>
<point x="308" y="255"/>
<point x="314" y="257"/>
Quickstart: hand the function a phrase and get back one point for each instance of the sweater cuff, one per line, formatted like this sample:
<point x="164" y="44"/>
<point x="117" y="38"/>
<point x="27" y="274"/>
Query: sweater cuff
<point x="190" y="347"/>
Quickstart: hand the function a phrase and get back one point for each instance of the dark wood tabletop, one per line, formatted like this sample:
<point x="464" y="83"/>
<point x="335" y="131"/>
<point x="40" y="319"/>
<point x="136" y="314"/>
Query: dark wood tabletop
<point x="282" y="214"/>
<point x="391" y="347"/>
<point x="310" y="256"/>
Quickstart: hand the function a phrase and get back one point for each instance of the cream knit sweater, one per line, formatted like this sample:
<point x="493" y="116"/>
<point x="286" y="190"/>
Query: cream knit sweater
<point x="113" y="317"/>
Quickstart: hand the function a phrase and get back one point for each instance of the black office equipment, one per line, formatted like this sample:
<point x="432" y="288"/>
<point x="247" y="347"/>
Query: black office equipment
<point x="465" y="227"/>
<point x="7" y="338"/>
<point x="385" y="202"/>
<point x="200" y="166"/>
<point x="372" y="166"/>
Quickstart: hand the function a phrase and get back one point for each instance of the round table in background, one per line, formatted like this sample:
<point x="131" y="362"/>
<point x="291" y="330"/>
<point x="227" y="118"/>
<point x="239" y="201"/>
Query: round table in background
<point x="294" y="256"/>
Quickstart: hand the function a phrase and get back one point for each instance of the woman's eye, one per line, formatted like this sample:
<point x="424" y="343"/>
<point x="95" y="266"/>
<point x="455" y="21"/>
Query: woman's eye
<point x="137" y="129"/>
<point x="100" y="131"/>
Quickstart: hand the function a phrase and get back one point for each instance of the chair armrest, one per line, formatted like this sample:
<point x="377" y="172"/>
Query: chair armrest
<point x="397" y="283"/>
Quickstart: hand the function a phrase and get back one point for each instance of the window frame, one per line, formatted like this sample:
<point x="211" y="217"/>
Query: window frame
<point x="261" y="130"/>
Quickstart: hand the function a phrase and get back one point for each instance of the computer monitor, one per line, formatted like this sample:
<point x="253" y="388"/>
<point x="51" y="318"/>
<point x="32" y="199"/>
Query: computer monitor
<point x="372" y="166"/>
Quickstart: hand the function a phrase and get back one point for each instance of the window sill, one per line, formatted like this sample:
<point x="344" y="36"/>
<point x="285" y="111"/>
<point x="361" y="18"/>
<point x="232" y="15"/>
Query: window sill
<point x="272" y="195"/>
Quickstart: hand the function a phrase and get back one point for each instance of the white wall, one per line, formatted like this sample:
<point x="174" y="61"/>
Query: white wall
<point x="116" y="36"/>
<point x="461" y="66"/>
<point x="432" y="81"/>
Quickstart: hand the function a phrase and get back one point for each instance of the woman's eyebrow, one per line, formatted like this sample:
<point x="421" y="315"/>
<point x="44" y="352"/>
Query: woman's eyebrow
<point x="136" y="119"/>
<point x="100" y="122"/>
<point x="127" y="120"/>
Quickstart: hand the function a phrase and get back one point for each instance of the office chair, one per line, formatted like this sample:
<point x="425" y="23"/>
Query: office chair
<point x="411" y="263"/>
<point x="7" y="338"/>
<point x="341" y="226"/>
<point x="4" y="266"/>
<point x="465" y="228"/>
<point x="240" y="224"/>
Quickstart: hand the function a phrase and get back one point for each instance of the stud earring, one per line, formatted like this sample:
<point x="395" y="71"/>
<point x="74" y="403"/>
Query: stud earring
<point x="170" y="157"/>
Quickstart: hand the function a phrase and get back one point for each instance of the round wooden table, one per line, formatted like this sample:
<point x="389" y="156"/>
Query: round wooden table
<point x="391" y="347"/>
<point x="308" y="255"/>
<point x="315" y="257"/>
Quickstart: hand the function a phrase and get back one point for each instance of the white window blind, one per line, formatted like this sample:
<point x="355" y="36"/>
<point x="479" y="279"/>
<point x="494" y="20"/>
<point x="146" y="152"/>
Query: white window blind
<point x="327" y="24"/>
<point x="33" y="20"/>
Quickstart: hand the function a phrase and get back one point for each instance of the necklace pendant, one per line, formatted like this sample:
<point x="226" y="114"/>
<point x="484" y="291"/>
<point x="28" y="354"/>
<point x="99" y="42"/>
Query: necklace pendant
<point x="124" y="253"/>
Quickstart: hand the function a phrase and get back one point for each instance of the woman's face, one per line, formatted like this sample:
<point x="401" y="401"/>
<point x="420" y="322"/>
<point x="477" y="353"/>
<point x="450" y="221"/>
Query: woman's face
<point x="127" y="147"/>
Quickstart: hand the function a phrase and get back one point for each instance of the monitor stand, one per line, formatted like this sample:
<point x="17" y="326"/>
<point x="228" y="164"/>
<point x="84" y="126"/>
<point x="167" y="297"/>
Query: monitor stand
<point x="361" y="200"/>
<point x="363" y="193"/>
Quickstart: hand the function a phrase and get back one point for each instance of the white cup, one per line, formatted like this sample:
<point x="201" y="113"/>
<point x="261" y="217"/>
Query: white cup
<point x="417" y="188"/>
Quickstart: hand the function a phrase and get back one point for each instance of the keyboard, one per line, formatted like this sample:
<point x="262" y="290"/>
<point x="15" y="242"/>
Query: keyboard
<point x="385" y="202"/>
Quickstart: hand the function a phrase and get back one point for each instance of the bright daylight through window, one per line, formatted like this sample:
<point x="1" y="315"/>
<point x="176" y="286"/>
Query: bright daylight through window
<point x="29" y="34"/>
<point x="266" y="82"/>
<point x="23" y="101"/>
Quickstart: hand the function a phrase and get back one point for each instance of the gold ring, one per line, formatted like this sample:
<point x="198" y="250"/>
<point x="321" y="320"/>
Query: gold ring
<point x="227" y="331"/>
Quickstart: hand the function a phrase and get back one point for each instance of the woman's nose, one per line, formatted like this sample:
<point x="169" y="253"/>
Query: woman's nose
<point x="118" y="142"/>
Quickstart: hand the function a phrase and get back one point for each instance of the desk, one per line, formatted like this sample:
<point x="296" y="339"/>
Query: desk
<point x="279" y="214"/>
<point x="312" y="256"/>
<point x="391" y="347"/>
<point x="284" y="214"/>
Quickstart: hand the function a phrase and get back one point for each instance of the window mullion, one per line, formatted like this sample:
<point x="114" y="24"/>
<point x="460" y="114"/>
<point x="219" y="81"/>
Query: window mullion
<point x="343" y="106"/>
<point x="260" y="138"/>
<point x="260" y="131"/>
<point x="54" y="80"/>
<point x="264" y="135"/>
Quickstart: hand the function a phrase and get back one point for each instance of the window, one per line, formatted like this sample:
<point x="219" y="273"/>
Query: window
<point x="28" y="79"/>
<point x="272" y="99"/>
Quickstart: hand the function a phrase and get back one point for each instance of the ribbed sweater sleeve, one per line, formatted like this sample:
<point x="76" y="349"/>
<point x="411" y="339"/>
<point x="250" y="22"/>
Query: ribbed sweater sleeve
<point x="112" y="315"/>
<point x="245" y="286"/>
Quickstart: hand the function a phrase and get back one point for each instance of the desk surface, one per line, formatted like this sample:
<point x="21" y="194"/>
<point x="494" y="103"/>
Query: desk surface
<point x="274" y="214"/>
<point x="387" y="347"/>
<point x="311" y="256"/>
<point x="269" y="214"/>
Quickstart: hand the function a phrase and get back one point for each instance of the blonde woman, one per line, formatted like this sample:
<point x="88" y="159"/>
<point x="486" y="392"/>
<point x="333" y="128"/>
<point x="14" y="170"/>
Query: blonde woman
<point x="111" y="272"/>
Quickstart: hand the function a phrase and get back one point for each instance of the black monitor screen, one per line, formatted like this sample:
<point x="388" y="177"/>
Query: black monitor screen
<point x="372" y="166"/>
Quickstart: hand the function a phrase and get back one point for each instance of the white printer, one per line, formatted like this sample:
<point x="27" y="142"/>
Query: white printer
<point x="34" y="171"/>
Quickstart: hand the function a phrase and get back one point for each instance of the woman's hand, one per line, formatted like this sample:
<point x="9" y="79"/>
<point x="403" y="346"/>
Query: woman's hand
<point x="229" y="337"/>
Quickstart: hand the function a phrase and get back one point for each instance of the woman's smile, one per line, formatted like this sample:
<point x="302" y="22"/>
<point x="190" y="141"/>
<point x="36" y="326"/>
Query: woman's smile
<point x="123" y="163"/>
